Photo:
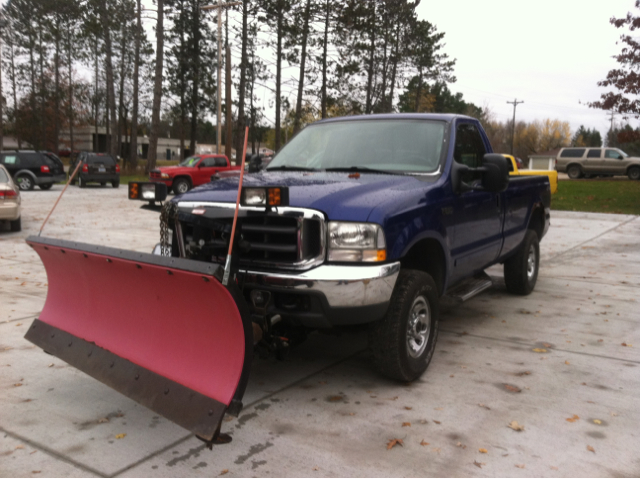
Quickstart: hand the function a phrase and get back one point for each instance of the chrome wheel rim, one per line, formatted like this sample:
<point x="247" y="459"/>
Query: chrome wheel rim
<point x="25" y="184"/>
<point x="418" y="327"/>
<point x="531" y="263"/>
<point x="183" y="187"/>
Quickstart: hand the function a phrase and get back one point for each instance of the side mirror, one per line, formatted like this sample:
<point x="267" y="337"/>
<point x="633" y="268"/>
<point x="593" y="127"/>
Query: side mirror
<point x="201" y="164"/>
<point x="495" y="173"/>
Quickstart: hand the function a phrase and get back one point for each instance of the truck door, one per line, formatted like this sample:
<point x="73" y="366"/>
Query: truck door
<point x="593" y="162"/>
<point x="477" y="214"/>
<point x="614" y="163"/>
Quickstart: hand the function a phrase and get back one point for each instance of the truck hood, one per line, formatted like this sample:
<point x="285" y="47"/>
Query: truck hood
<point x="174" y="170"/>
<point x="335" y="194"/>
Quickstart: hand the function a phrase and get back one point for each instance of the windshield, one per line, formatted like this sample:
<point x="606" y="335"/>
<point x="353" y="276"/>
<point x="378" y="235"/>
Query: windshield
<point x="388" y="145"/>
<point x="3" y="176"/>
<point x="190" y="162"/>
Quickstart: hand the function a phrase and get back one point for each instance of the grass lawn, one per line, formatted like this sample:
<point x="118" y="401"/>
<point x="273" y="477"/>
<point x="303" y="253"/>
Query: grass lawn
<point x="598" y="196"/>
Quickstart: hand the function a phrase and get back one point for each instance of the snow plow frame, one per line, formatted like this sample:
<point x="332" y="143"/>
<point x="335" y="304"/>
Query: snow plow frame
<point x="198" y="412"/>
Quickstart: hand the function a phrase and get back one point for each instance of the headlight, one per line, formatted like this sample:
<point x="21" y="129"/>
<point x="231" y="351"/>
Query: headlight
<point x="356" y="242"/>
<point x="271" y="196"/>
<point x="164" y="176"/>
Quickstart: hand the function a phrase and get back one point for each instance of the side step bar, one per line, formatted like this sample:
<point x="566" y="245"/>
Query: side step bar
<point x="468" y="289"/>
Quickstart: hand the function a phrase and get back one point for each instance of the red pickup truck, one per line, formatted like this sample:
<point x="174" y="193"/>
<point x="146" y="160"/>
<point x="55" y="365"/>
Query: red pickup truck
<point x="191" y="172"/>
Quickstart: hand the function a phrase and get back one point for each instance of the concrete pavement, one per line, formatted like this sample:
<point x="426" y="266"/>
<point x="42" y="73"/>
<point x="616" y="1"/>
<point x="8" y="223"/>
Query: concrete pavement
<point x="553" y="361"/>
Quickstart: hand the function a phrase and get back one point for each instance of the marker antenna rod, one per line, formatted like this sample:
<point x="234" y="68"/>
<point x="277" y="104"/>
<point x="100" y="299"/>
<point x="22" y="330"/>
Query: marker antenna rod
<point x="60" y="197"/>
<point x="227" y="265"/>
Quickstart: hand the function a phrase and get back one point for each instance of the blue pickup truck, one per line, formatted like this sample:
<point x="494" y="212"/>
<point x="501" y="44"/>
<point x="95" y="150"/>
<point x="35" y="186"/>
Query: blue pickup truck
<point x="369" y="221"/>
<point x="377" y="218"/>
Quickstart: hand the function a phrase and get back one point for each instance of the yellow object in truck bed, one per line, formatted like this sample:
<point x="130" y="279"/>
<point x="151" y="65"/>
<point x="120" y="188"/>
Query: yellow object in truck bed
<point x="552" y="174"/>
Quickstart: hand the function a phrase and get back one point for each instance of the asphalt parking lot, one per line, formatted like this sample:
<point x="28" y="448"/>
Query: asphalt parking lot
<point x="562" y="362"/>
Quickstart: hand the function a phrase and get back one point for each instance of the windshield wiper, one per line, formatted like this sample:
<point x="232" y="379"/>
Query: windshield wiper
<point x="363" y="169"/>
<point x="290" y="168"/>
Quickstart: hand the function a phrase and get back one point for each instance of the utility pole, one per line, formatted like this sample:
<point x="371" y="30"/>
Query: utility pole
<point x="515" y="103"/>
<point x="219" y="7"/>
<point x="3" y="23"/>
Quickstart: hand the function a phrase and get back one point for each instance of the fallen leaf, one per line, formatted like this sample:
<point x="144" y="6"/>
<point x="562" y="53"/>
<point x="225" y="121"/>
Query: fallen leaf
<point x="438" y="408"/>
<point x="521" y="466"/>
<point x="22" y="284"/>
<point x="393" y="398"/>
<point x="597" y="421"/>
<point x="20" y="447"/>
<point x="515" y="426"/>
<point x="554" y="468"/>
<point x="36" y="472"/>
<point x="524" y="373"/>
<point x="459" y="444"/>
<point x="451" y="376"/>
<point x="600" y="340"/>
<point x="573" y="419"/>
<point x="627" y="345"/>
<point x="613" y="414"/>
<point x="17" y="385"/>
<point x="120" y="436"/>
<point x="513" y="389"/>
<point x="483" y="450"/>
<point x="423" y="443"/>
<point x="406" y="424"/>
<point x="335" y="398"/>
<point x="103" y="420"/>
<point x="539" y="350"/>
<point x="51" y="365"/>
<point x="424" y="421"/>
<point x="315" y="468"/>
<point x="479" y="464"/>
<point x="223" y="472"/>
<point x="486" y="407"/>
<point x="546" y="345"/>
<point x="18" y="324"/>
<point x="394" y="442"/>
<point x="589" y="448"/>
<point x="437" y="422"/>
<point x="408" y="408"/>
<point x="567" y="363"/>
<point x="436" y="449"/>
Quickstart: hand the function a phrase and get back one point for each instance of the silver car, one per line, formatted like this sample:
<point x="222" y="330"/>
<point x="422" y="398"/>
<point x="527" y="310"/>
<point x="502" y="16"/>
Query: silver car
<point x="579" y="162"/>
<point x="9" y="200"/>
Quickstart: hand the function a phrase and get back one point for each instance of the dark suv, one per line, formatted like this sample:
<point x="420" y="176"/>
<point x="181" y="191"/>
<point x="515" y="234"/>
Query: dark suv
<point x="96" y="168"/>
<point x="29" y="168"/>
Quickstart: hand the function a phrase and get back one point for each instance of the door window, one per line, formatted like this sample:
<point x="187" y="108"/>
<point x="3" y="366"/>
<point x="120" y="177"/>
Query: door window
<point x="469" y="149"/>
<point x="613" y="154"/>
<point x="594" y="153"/>
<point x="12" y="160"/>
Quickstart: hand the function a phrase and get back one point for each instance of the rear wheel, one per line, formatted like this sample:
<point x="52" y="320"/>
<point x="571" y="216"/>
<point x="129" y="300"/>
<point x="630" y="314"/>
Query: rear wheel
<point x="25" y="182"/>
<point x="574" y="172"/>
<point x="115" y="184"/>
<point x="81" y="182"/>
<point x="634" y="173"/>
<point x="16" y="225"/>
<point x="103" y="183"/>
<point x="403" y="342"/>
<point x="521" y="270"/>
<point x="180" y="186"/>
<point x="46" y="186"/>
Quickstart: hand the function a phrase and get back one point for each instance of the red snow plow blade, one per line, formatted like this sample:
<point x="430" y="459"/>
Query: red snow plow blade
<point x="162" y="331"/>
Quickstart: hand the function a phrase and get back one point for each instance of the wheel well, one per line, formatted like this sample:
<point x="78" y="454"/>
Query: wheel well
<point x="632" y="166"/>
<point x="182" y="177"/>
<point x="574" y="164"/>
<point x="427" y="255"/>
<point x="536" y="223"/>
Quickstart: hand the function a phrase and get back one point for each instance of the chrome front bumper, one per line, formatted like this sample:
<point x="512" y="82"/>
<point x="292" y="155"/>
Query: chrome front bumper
<point x="342" y="286"/>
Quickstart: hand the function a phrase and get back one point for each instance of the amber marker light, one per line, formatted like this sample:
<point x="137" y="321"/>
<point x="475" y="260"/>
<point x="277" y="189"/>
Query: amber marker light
<point x="134" y="191"/>
<point x="275" y="198"/>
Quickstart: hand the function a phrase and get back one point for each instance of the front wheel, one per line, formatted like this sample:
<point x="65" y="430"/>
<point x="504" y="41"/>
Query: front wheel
<point x="634" y="173"/>
<point x="16" y="225"/>
<point x="403" y="342"/>
<point x="574" y="172"/>
<point x="180" y="186"/>
<point x="521" y="270"/>
<point x="46" y="186"/>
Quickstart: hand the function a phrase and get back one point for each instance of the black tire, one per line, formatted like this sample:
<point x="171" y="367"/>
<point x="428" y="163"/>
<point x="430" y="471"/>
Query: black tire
<point x="402" y="350"/>
<point x="25" y="182"/>
<point x="81" y="182"/>
<point x="181" y="185"/>
<point x="634" y="173"/>
<point x="103" y="183"/>
<point x="46" y="186"/>
<point x="574" y="172"/>
<point x="16" y="225"/>
<point x="521" y="270"/>
<point x="115" y="184"/>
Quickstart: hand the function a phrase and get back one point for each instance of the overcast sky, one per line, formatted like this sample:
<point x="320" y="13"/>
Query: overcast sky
<point x="549" y="53"/>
